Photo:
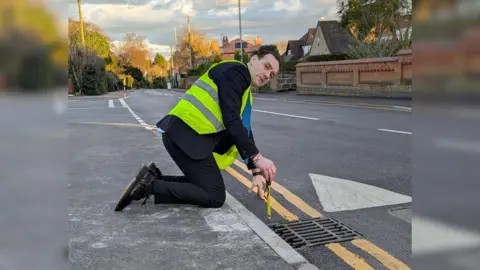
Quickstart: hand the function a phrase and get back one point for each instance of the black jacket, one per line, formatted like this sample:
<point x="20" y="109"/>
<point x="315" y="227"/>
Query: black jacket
<point x="232" y="80"/>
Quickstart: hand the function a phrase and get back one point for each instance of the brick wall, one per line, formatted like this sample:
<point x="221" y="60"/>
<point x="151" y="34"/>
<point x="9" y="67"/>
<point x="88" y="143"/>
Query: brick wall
<point x="388" y="76"/>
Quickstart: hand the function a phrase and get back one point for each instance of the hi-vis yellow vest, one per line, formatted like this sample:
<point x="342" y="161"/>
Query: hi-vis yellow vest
<point x="199" y="108"/>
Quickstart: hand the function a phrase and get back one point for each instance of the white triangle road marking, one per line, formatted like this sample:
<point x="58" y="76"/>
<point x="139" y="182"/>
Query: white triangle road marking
<point x="336" y="194"/>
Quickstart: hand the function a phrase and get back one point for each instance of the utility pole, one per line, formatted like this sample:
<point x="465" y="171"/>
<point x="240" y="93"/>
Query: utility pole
<point x="240" y="27"/>
<point x="81" y="22"/>
<point x="175" y="29"/>
<point x="189" y="42"/>
<point x="172" y="67"/>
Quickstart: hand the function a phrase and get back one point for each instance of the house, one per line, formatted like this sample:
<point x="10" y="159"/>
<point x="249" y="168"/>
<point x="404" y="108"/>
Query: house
<point x="296" y="49"/>
<point x="230" y="47"/>
<point x="308" y="37"/>
<point x="330" y="38"/>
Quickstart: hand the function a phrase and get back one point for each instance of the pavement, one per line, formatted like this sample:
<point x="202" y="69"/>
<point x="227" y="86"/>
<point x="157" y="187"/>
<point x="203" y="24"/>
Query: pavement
<point x="339" y="149"/>
<point x="103" y="159"/>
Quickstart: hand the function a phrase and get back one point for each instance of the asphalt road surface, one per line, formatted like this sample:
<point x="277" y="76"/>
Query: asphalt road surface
<point x="345" y="159"/>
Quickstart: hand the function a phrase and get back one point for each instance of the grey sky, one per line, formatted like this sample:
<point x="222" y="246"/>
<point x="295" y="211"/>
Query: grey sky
<point x="272" y="20"/>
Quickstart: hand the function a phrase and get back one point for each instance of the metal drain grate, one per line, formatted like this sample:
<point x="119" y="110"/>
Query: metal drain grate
<point x="313" y="232"/>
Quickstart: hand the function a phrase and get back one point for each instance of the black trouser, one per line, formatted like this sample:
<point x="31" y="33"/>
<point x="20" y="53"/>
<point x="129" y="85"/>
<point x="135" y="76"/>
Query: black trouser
<point x="202" y="183"/>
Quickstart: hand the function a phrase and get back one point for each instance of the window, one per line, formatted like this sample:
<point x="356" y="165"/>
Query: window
<point x="289" y="52"/>
<point x="237" y="45"/>
<point x="306" y="49"/>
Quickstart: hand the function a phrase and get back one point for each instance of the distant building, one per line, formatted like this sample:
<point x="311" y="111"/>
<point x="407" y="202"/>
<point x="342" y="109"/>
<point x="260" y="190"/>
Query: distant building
<point x="330" y="38"/>
<point x="296" y="49"/>
<point x="230" y="47"/>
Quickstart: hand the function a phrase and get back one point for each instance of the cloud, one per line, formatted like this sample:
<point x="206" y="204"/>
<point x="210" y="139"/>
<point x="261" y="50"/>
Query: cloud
<point x="288" y="5"/>
<point x="272" y="20"/>
<point x="227" y="12"/>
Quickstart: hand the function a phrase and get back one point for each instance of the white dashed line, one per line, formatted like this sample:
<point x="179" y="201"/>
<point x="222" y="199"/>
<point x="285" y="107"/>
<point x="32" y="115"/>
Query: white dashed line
<point x="395" y="131"/>
<point x="403" y="108"/>
<point x="89" y="108"/>
<point x="289" y="115"/>
<point x="124" y="104"/>
<point x="139" y="120"/>
<point x="110" y="104"/>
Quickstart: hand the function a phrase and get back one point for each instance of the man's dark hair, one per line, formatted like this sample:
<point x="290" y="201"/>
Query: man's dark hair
<point x="267" y="49"/>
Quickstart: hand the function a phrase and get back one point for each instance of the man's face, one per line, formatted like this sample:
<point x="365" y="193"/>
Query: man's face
<point x="263" y="70"/>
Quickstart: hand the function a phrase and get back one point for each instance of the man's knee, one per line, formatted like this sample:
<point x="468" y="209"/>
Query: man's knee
<point x="218" y="201"/>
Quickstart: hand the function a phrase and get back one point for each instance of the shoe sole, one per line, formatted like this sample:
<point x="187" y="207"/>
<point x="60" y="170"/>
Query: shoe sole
<point x="154" y="169"/>
<point x="126" y="198"/>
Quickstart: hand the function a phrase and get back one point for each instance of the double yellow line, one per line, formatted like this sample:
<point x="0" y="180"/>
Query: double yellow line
<point x="352" y="259"/>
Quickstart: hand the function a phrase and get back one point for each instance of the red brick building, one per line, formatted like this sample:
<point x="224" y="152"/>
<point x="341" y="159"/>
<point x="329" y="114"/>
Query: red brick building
<point x="230" y="47"/>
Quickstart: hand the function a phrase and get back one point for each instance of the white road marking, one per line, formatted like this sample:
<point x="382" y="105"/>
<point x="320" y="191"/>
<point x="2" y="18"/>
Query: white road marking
<point x="159" y="93"/>
<point x="403" y="108"/>
<point x="91" y="108"/>
<point x="395" y="131"/>
<point x="110" y="104"/>
<point x="430" y="236"/>
<point x="285" y="251"/>
<point x="289" y="115"/>
<point x="337" y="194"/>
<point x="272" y="99"/>
<point x="124" y="104"/>
<point x="139" y="120"/>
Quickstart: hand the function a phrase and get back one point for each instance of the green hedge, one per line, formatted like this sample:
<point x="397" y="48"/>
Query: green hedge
<point x="94" y="79"/>
<point x="327" y="57"/>
<point x="288" y="66"/>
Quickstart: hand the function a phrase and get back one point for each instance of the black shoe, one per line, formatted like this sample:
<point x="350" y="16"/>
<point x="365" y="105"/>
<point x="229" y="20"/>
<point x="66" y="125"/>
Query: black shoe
<point x="144" y="188"/>
<point x="126" y="197"/>
<point x="155" y="171"/>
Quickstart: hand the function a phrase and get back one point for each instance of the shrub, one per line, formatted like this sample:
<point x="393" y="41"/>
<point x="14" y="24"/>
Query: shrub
<point x="112" y="82"/>
<point x="192" y="72"/>
<point x="201" y="69"/>
<point x="217" y="58"/>
<point x="288" y="66"/>
<point x="159" y="83"/>
<point x="379" y="48"/>
<point x="327" y="57"/>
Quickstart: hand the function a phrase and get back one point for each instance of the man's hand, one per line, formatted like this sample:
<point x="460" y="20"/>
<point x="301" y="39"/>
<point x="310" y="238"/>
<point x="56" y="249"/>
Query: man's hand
<point x="267" y="167"/>
<point x="258" y="182"/>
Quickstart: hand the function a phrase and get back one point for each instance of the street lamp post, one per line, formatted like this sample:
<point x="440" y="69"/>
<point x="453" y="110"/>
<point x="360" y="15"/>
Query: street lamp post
<point x="240" y="28"/>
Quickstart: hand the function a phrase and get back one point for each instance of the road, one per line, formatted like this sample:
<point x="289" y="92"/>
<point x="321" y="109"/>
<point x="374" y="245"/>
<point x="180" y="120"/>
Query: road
<point x="310" y="142"/>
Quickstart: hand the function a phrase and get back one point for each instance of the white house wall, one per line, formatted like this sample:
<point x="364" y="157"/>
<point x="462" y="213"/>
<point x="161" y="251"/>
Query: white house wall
<point x="319" y="46"/>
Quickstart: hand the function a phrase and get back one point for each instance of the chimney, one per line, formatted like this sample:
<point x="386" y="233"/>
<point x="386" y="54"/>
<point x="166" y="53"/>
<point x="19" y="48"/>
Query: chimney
<point x="224" y="41"/>
<point x="258" y="41"/>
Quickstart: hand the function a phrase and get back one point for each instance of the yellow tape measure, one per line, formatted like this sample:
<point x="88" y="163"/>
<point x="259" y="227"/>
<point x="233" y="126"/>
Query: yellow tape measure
<point x="269" y="210"/>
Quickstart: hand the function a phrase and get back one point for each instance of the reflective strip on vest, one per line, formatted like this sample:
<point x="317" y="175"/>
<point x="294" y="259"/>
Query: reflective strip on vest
<point x="207" y="88"/>
<point x="204" y="110"/>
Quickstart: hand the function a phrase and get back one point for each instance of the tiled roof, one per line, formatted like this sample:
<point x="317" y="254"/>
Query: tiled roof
<point x="309" y="36"/>
<point x="230" y="47"/>
<point x="296" y="47"/>
<point x="336" y="37"/>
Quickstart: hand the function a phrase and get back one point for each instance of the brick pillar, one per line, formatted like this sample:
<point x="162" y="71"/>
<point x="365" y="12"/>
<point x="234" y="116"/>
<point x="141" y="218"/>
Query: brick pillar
<point x="356" y="76"/>
<point x="70" y="87"/>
